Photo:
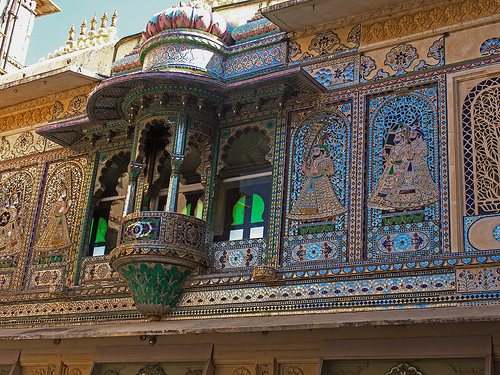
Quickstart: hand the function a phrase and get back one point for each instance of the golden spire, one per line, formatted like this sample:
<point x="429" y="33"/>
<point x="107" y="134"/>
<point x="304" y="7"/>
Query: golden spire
<point x="114" y="17"/>
<point x="93" y="22"/>
<point x="104" y="19"/>
<point x="83" y="28"/>
<point x="71" y="33"/>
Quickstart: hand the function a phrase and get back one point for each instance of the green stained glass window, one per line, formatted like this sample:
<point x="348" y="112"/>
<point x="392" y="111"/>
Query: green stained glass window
<point x="199" y="210"/>
<point x="187" y="209"/>
<point x="102" y="228"/>
<point x="258" y="207"/>
<point x="239" y="211"/>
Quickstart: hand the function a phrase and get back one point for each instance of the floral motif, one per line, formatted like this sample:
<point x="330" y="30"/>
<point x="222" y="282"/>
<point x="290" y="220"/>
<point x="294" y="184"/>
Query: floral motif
<point x="367" y="66"/>
<point x="324" y="76"/>
<point x="306" y="56"/>
<point x="381" y="74"/>
<point x="400" y="58"/>
<point x="490" y="46"/>
<point x="403" y="369"/>
<point x="496" y="233"/>
<point x="151" y="370"/>
<point x="293" y="49"/>
<point x="355" y="35"/>
<point x="143" y="229"/>
<point x="422" y="65"/>
<point x="23" y="143"/>
<point x="4" y="146"/>
<point x="155" y="287"/>
<point x="322" y="43"/>
<point x="436" y="51"/>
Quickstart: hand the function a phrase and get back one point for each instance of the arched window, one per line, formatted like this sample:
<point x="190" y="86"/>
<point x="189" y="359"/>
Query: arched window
<point x="244" y="194"/>
<point x="157" y="165"/>
<point x="110" y="200"/>
<point x="481" y="137"/>
<point x="191" y="191"/>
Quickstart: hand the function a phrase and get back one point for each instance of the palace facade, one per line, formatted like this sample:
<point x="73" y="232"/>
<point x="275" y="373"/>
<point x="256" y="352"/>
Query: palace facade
<point x="302" y="187"/>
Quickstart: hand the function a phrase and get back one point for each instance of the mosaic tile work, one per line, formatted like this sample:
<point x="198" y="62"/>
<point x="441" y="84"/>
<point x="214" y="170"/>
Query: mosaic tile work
<point x="490" y="46"/>
<point x="5" y="280"/>
<point x="96" y="270"/>
<point x="402" y="59"/>
<point x="404" y="242"/>
<point x="173" y="55"/>
<point x="319" y="143"/>
<point x="230" y="256"/>
<point x="326" y="249"/>
<point x="47" y="277"/>
<point x="331" y="289"/>
<point x="231" y="259"/>
<point x="402" y="190"/>
<point x="478" y="279"/>
<point x="340" y="72"/>
<point x="255" y="61"/>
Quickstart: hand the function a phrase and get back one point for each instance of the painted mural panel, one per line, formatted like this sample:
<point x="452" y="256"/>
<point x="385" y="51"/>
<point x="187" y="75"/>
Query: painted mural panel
<point x="406" y="175"/>
<point x="18" y="190"/>
<point x="58" y="231"/>
<point x="318" y="187"/>
<point x="58" y="213"/>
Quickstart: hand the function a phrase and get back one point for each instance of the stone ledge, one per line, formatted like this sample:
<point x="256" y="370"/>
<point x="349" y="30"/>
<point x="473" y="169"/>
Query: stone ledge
<point x="444" y="315"/>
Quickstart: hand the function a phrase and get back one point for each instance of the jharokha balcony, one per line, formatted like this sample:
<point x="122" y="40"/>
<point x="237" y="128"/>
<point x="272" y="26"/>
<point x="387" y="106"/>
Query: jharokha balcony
<point x="157" y="251"/>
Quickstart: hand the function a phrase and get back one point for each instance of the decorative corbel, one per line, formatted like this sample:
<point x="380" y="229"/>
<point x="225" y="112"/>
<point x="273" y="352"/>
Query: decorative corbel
<point x="130" y="131"/>
<point x="144" y="102"/>
<point x="93" y="140"/>
<point x="258" y="104"/>
<point x="220" y="110"/>
<point x="235" y="108"/>
<point x="184" y="99"/>
<point x="163" y="99"/>
<point x="200" y="103"/>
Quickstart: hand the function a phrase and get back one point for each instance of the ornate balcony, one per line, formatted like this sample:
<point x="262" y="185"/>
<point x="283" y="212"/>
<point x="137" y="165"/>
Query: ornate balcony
<point x="156" y="253"/>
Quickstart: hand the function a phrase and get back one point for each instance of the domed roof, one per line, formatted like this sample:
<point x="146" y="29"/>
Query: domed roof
<point x="191" y="16"/>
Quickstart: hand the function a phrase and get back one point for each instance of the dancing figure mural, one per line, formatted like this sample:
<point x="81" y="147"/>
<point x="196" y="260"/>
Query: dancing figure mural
<point x="10" y="232"/>
<point x="405" y="183"/>
<point x="317" y="200"/>
<point x="56" y="234"/>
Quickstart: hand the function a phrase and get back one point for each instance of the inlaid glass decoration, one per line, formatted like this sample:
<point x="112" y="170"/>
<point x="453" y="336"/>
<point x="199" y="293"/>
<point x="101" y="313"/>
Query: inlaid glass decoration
<point x="481" y="140"/>
<point x="403" y="196"/>
<point x="318" y="172"/>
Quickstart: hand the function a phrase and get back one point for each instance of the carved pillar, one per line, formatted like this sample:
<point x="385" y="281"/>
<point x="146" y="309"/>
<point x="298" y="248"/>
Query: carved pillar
<point x="134" y="171"/>
<point x="177" y="160"/>
<point x="173" y="186"/>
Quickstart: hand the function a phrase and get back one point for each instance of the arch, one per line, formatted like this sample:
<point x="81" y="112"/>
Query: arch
<point x="235" y="136"/>
<point x="152" y="125"/>
<point x="243" y="202"/>
<point x="481" y="139"/>
<point x="202" y="143"/>
<point x="121" y="158"/>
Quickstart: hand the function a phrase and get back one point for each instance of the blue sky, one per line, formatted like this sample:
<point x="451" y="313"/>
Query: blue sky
<point x="51" y="32"/>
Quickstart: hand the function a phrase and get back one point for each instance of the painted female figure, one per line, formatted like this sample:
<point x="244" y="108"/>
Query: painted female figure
<point x="56" y="234"/>
<point x="9" y="227"/>
<point x="405" y="183"/>
<point x="317" y="200"/>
